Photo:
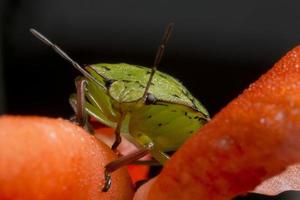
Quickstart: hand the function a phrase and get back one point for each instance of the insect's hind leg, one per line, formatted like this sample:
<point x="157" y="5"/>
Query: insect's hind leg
<point x="132" y="158"/>
<point x="160" y="156"/>
<point x="79" y="107"/>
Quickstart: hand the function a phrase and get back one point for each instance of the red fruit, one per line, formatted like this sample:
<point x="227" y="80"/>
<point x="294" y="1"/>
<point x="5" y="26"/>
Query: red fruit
<point x="43" y="158"/>
<point x="253" y="138"/>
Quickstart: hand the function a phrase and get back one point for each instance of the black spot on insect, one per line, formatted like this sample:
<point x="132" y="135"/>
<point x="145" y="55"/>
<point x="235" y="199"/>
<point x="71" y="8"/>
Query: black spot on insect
<point x="195" y="108"/>
<point x="175" y="95"/>
<point x="185" y="113"/>
<point x="196" y="117"/>
<point x="108" y="83"/>
<point x="159" y="124"/>
<point x="149" y="116"/>
<point x="150" y="99"/>
<point x="191" y="132"/>
<point x="126" y="81"/>
<point x="140" y="85"/>
<point x="106" y="68"/>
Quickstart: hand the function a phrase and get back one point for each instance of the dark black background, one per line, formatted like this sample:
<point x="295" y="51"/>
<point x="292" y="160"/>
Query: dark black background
<point x="217" y="48"/>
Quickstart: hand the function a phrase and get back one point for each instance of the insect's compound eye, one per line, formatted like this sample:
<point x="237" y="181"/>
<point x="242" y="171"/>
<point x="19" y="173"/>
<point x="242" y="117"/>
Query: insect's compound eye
<point x="108" y="83"/>
<point x="150" y="99"/>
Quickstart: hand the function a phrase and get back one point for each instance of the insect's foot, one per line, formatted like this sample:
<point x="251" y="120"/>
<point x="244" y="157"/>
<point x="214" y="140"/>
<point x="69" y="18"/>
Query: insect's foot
<point x="85" y="125"/>
<point x="118" y="153"/>
<point x="116" y="143"/>
<point x="89" y="128"/>
<point x="73" y="119"/>
<point x="114" y="147"/>
<point x="107" y="183"/>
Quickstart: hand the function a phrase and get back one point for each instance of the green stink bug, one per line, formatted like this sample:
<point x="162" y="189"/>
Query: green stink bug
<point x="151" y="108"/>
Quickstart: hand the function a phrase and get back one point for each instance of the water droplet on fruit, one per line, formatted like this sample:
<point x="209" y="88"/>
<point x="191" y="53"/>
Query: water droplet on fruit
<point x="279" y="116"/>
<point x="225" y="143"/>
<point x="263" y="120"/>
<point x="52" y="135"/>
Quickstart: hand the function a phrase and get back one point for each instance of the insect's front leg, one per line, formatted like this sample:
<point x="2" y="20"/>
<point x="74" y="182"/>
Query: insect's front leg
<point x="118" y="138"/>
<point x="79" y="107"/>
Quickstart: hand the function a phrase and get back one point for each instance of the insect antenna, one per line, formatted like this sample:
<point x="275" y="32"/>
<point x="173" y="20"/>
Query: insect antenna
<point x="64" y="55"/>
<point x="159" y="54"/>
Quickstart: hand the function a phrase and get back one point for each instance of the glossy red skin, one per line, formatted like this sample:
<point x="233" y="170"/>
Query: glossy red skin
<point x="43" y="158"/>
<point x="253" y="138"/>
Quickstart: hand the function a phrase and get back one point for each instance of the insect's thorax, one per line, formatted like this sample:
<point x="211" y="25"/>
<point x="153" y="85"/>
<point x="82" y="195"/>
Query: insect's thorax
<point x="126" y="83"/>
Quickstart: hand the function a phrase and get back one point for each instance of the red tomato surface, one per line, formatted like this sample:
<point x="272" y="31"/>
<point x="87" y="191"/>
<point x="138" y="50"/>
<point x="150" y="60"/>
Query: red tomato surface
<point x="44" y="158"/>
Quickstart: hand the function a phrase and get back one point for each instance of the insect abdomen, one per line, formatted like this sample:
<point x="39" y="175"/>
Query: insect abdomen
<point x="167" y="125"/>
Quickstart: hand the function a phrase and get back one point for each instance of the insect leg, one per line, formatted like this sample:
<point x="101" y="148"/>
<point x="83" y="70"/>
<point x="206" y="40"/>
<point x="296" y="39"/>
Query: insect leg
<point x="79" y="107"/>
<point x="151" y="162"/>
<point x="122" y="161"/>
<point x="160" y="156"/>
<point x="80" y="114"/>
<point x="118" y="138"/>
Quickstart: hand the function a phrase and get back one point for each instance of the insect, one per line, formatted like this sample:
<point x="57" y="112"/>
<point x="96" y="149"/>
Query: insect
<point x="151" y="108"/>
